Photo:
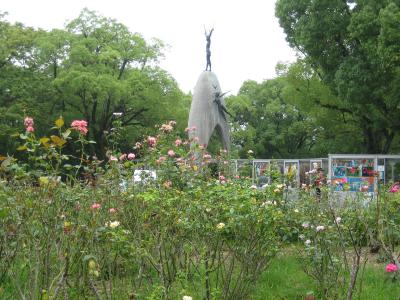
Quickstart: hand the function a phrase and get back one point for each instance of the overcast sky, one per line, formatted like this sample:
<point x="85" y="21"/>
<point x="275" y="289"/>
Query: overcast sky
<point x="247" y="42"/>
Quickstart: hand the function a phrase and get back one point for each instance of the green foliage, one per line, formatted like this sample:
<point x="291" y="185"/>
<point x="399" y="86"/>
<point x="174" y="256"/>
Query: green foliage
<point x="352" y="49"/>
<point x="387" y="233"/>
<point x="191" y="229"/>
<point x="187" y="231"/>
<point x="95" y="69"/>
<point x="337" y="131"/>
<point x="265" y="122"/>
<point x="285" y="279"/>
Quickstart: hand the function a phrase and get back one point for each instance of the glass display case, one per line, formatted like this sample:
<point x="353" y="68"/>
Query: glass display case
<point x="353" y="173"/>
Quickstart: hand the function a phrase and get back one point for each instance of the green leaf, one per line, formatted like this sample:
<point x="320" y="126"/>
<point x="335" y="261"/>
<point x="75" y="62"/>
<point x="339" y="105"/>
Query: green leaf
<point x="59" y="142"/>
<point x="89" y="257"/>
<point x="44" y="140"/>
<point x="4" y="211"/>
<point x="68" y="166"/>
<point x="66" y="134"/>
<point x="22" y="148"/>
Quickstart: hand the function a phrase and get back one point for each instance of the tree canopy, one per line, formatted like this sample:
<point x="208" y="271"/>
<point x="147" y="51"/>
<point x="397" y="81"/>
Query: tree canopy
<point x="95" y="69"/>
<point x="352" y="46"/>
<point x="267" y="124"/>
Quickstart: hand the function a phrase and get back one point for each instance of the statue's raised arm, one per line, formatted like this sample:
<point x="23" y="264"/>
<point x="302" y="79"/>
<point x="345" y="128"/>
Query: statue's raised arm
<point x="208" y="51"/>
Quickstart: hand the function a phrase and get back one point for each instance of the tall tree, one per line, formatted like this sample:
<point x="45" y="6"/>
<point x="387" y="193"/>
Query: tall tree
<point x="110" y="70"/>
<point x="338" y="129"/>
<point x="96" y="69"/>
<point x="353" y="47"/>
<point x="17" y="79"/>
<point x="267" y="124"/>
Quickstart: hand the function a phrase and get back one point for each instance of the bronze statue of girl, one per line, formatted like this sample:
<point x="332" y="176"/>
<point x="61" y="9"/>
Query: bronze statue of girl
<point x="208" y="51"/>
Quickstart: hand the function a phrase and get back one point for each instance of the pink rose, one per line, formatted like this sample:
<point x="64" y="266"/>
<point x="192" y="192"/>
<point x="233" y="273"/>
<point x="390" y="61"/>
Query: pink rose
<point x="28" y="122"/>
<point x="395" y="188"/>
<point x="95" y="206"/>
<point x="305" y="225"/>
<point x="131" y="156"/>
<point x="30" y="129"/>
<point x="171" y="153"/>
<point x="80" y="126"/>
<point x="390" y="268"/>
<point x="178" y="142"/>
<point x="152" y="141"/>
<point x="161" y="159"/>
<point x="112" y="210"/>
<point x="113" y="158"/>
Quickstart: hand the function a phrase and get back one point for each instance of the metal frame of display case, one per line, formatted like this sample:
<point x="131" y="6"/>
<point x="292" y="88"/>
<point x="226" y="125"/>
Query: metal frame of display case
<point x="254" y="172"/>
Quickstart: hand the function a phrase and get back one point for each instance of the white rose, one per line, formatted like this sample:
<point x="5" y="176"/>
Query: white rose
<point x="220" y="225"/>
<point x="112" y="224"/>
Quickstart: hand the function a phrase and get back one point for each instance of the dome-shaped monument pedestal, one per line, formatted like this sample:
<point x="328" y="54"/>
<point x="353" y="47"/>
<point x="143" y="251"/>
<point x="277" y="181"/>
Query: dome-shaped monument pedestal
<point x="208" y="112"/>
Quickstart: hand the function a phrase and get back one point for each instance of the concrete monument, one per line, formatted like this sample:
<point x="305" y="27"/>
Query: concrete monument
<point x="208" y="111"/>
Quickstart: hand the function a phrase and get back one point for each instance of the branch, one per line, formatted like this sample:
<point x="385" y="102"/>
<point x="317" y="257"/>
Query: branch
<point x="137" y="113"/>
<point x="121" y="71"/>
<point x="333" y="107"/>
<point x="94" y="108"/>
<point x="95" y="291"/>
<point x="74" y="106"/>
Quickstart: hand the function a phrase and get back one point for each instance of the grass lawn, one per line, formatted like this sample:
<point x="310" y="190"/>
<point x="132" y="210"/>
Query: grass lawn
<point x="285" y="279"/>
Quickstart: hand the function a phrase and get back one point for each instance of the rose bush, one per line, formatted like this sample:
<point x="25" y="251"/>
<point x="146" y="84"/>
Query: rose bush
<point x="165" y="219"/>
<point x="71" y="225"/>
